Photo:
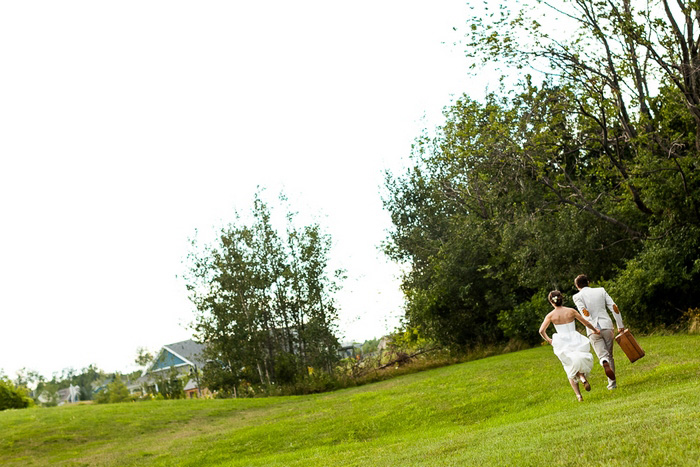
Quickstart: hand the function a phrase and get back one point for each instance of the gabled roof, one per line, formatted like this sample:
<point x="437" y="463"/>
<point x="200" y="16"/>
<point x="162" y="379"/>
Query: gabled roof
<point x="176" y="355"/>
<point x="188" y="350"/>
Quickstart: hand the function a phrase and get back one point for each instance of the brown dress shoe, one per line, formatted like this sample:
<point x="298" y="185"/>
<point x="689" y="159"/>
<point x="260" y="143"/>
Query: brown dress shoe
<point x="608" y="370"/>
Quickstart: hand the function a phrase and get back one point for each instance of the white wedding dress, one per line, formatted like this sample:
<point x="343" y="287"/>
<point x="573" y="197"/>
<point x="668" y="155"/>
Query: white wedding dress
<point x="573" y="350"/>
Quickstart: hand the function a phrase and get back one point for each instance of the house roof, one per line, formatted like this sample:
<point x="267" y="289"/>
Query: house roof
<point x="176" y="355"/>
<point x="188" y="350"/>
<point x="191" y="384"/>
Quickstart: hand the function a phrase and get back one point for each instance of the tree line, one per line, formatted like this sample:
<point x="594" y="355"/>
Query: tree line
<point x="593" y="169"/>
<point x="30" y="388"/>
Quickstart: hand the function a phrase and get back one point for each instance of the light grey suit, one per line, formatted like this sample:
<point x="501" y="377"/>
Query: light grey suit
<point x="594" y="304"/>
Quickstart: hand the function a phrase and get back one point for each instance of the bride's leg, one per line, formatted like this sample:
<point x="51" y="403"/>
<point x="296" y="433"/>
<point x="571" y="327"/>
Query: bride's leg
<point x="574" y="385"/>
<point x="586" y="384"/>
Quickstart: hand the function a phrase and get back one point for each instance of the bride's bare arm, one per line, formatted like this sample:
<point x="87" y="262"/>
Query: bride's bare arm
<point x="584" y="321"/>
<point x="543" y="328"/>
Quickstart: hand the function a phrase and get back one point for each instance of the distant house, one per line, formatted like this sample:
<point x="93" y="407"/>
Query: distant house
<point x="136" y="386"/>
<point x="349" y="349"/>
<point x="69" y="395"/>
<point x="182" y="357"/>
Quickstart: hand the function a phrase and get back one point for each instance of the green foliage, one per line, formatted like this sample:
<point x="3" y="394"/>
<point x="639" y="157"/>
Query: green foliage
<point x="692" y="320"/>
<point x="171" y="385"/>
<point x="502" y="234"/>
<point x="656" y="287"/>
<point x="84" y="379"/>
<point x="26" y="378"/>
<point x="265" y="302"/>
<point x="370" y="346"/>
<point x="12" y="397"/>
<point x="143" y="357"/>
<point x="216" y="376"/>
<point x="48" y="393"/>
<point x="115" y="392"/>
<point x="408" y="340"/>
<point x="519" y="322"/>
<point x="287" y="368"/>
<point x="594" y="171"/>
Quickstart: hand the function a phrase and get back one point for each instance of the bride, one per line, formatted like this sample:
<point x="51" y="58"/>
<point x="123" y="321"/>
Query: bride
<point x="572" y="348"/>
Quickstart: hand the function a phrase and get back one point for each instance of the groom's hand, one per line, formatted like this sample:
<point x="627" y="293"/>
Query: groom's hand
<point x="619" y="330"/>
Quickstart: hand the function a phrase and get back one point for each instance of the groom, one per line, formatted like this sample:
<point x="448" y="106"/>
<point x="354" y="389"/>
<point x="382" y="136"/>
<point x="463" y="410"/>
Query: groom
<point x="592" y="304"/>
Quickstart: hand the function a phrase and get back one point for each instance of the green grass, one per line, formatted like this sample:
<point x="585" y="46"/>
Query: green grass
<point x="513" y="409"/>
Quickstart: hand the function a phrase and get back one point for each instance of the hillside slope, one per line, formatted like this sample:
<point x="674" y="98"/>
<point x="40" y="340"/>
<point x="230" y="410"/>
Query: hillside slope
<point x="514" y="409"/>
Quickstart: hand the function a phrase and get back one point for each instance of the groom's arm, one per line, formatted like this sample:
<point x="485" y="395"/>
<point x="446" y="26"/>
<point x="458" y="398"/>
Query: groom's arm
<point x="615" y="311"/>
<point x="585" y="322"/>
<point x="578" y="301"/>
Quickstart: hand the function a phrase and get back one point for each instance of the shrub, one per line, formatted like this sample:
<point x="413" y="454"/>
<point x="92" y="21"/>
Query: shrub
<point x="172" y="384"/>
<point x="522" y="322"/>
<point x="12" y="397"/>
<point x="116" y="391"/>
<point x="657" y="285"/>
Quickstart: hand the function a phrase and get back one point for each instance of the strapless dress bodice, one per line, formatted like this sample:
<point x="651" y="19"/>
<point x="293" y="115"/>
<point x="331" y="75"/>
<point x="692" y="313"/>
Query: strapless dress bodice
<point x="567" y="327"/>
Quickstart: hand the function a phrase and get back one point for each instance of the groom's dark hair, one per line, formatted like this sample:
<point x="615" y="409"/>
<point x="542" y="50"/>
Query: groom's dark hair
<point x="581" y="281"/>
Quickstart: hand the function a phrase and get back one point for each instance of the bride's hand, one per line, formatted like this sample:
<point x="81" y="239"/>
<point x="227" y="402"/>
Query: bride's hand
<point x="596" y="331"/>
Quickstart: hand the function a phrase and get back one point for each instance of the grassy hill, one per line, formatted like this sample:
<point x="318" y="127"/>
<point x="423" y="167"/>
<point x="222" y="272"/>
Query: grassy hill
<point x="514" y="409"/>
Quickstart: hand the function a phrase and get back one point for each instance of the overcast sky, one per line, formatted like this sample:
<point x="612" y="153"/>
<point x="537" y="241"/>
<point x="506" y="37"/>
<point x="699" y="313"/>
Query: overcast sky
<point x="125" y="126"/>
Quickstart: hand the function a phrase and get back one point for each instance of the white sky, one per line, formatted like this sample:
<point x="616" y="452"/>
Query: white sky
<point x="125" y="126"/>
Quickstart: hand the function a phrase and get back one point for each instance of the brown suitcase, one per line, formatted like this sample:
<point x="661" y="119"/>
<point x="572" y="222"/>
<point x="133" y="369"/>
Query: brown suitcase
<point x="629" y="346"/>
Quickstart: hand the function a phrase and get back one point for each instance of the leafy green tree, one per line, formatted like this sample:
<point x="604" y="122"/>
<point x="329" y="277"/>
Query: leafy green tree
<point x="370" y="346"/>
<point x="630" y="67"/>
<point x="171" y="385"/>
<point x="482" y="231"/>
<point x="225" y="379"/>
<point x="594" y="170"/>
<point x="85" y="380"/>
<point x="264" y="302"/>
<point x="115" y="392"/>
<point x="69" y="376"/>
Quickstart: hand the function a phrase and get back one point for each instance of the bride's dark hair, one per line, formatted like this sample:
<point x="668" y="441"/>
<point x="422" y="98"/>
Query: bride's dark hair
<point x="556" y="297"/>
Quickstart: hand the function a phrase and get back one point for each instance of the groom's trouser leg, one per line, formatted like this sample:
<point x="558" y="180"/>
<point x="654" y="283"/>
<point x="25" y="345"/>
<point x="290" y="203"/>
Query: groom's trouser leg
<point x="603" y="346"/>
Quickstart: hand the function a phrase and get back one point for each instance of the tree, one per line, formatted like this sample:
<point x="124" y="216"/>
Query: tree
<point x="632" y="67"/>
<point x="69" y="376"/>
<point x="115" y="392"/>
<point x="26" y="378"/>
<point x="615" y="55"/>
<point x="594" y="170"/>
<point x="85" y="380"/>
<point x="143" y="357"/>
<point x="265" y="306"/>
<point x="478" y="223"/>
